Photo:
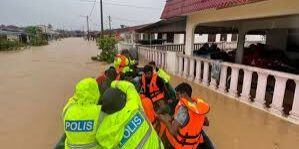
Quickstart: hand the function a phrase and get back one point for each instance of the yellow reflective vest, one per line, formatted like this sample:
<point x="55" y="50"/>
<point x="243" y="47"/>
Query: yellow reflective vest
<point x="162" y="74"/>
<point x="81" y="116"/>
<point x="128" y="128"/>
<point x="122" y="64"/>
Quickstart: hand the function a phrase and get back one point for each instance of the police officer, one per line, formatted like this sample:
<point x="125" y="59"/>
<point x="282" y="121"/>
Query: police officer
<point x="81" y="115"/>
<point x="124" y="124"/>
<point x="123" y="63"/>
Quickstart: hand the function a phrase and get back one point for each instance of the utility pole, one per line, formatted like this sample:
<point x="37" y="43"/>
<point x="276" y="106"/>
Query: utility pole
<point x="109" y="17"/>
<point x="102" y="22"/>
<point x="87" y="22"/>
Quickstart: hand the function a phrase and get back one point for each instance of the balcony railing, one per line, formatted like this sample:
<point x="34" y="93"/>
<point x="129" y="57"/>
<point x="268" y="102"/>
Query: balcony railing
<point x="235" y="80"/>
<point x="167" y="47"/>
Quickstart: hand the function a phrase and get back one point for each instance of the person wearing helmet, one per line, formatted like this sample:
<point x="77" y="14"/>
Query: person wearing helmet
<point x="124" y="124"/>
<point x="81" y="115"/>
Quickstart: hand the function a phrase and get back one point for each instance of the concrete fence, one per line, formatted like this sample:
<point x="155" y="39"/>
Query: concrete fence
<point x="228" y="80"/>
<point x="170" y="47"/>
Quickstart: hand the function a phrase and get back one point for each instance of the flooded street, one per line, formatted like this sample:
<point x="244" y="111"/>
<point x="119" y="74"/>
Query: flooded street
<point x="35" y="84"/>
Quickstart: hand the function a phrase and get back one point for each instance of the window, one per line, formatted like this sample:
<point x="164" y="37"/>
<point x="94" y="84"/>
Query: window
<point x="211" y="37"/>
<point x="223" y="37"/>
<point x="234" y="37"/>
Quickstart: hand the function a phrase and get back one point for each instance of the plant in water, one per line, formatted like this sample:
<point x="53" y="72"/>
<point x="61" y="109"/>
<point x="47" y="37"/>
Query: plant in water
<point x="108" y="49"/>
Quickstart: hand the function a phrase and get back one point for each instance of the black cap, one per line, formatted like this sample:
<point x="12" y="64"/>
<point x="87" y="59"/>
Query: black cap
<point x="113" y="100"/>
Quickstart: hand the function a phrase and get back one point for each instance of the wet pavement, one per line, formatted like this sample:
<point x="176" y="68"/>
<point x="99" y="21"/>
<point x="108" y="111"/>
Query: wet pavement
<point x="35" y="84"/>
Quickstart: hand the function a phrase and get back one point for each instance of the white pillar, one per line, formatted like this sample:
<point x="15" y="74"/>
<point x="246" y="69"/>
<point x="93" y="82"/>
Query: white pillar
<point x="163" y="59"/>
<point x="189" y="38"/>
<point x="180" y="66"/>
<point x="245" y="95"/>
<point x="240" y="46"/>
<point x="206" y="70"/>
<point x="294" y="114"/>
<point x="259" y="100"/>
<point x="191" y="70"/>
<point x="159" y="59"/>
<point x="198" y="72"/>
<point x="186" y="67"/>
<point x="278" y="96"/>
<point x="223" y="76"/>
<point x="233" y="90"/>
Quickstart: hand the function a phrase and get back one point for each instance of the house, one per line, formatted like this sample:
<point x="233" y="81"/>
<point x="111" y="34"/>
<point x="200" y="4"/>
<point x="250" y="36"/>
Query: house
<point x="270" y="81"/>
<point x="11" y="32"/>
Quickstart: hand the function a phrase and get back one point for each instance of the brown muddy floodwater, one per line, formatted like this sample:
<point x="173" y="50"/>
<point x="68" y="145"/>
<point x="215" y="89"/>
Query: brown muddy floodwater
<point x="35" y="84"/>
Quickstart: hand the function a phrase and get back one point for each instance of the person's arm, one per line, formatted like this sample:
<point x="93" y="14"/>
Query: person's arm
<point x="162" y="107"/>
<point x="181" y="119"/>
<point x="172" y="125"/>
<point x="161" y="102"/>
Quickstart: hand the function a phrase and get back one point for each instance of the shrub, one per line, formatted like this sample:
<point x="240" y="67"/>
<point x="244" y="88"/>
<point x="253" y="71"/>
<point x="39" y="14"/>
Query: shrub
<point x="107" y="45"/>
<point x="36" y="36"/>
<point x="10" y="45"/>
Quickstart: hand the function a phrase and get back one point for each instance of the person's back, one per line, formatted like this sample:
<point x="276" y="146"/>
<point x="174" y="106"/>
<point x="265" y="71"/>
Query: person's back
<point x="81" y="116"/>
<point x="125" y="125"/>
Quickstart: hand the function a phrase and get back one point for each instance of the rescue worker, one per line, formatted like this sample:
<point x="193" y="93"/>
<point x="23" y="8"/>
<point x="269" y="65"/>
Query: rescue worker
<point x="81" y="115"/>
<point x="184" y="129"/>
<point x="153" y="87"/>
<point x="123" y="63"/>
<point x="124" y="124"/>
<point x="170" y="92"/>
<point x="161" y="73"/>
<point x="110" y="73"/>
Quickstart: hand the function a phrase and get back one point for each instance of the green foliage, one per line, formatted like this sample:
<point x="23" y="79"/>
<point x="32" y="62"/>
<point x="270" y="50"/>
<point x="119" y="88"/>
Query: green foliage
<point x="36" y="37"/>
<point x="6" y="45"/>
<point x="107" y="45"/>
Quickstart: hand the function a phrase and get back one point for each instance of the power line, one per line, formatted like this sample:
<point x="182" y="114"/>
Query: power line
<point x="94" y="4"/>
<point x="126" y="5"/>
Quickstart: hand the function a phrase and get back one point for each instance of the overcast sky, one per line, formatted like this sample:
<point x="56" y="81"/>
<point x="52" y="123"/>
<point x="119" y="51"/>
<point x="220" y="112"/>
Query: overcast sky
<point x="67" y="14"/>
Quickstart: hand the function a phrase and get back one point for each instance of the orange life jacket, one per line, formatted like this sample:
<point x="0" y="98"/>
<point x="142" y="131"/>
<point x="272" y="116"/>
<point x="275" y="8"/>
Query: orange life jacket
<point x="122" y="64"/>
<point x="149" y="109"/>
<point x="156" y="94"/>
<point x="189" y="136"/>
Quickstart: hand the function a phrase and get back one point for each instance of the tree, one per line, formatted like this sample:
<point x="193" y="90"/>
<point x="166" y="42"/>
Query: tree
<point x="35" y="35"/>
<point x="109" y="51"/>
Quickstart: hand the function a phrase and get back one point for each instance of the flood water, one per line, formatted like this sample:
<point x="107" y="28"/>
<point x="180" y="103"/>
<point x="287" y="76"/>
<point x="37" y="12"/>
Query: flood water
<point x="35" y="84"/>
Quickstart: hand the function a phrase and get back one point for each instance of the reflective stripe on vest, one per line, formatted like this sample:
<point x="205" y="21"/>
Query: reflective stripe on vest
<point x="146" y="137"/>
<point x="82" y="146"/>
<point x="89" y="145"/>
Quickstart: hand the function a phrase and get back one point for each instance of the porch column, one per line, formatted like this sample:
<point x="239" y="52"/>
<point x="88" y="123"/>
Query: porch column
<point x="294" y="114"/>
<point x="223" y="76"/>
<point x="233" y="90"/>
<point x="259" y="100"/>
<point x="240" y="46"/>
<point x="189" y="38"/>
<point x="279" y="91"/>
<point x="245" y="95"/>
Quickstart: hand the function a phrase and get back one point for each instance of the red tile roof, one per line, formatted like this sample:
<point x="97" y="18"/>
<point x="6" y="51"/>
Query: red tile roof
<point x="174" y="8"/>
